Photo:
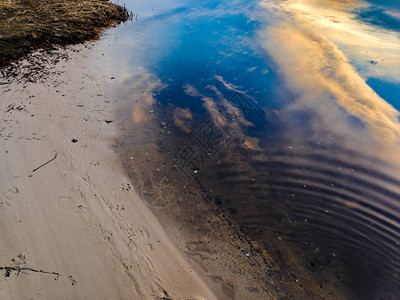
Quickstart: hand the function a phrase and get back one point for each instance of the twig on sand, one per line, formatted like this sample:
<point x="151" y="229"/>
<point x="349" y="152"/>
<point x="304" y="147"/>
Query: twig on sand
<point x="9" y="269"/>
<point x="55" y="156"/>
<point x="19" y="269"/>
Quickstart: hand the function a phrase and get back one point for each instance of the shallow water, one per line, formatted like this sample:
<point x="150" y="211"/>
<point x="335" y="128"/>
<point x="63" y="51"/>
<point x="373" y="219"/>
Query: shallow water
<point x="265" y="107"/>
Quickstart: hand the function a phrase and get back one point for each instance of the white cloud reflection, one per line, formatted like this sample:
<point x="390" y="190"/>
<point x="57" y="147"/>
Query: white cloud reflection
<point x="317" y="43"/>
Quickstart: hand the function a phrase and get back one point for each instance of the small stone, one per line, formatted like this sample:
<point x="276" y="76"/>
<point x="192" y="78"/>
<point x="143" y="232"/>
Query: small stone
<point x="74" y="140"/>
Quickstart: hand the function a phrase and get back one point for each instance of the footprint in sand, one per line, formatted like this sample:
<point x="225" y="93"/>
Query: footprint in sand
<point x="158" y="191"/>
<point x="126" y="187"/>
<point x="120" y="209"/>
<point x="11" y="193"/>
<point x="107" y="235"/>
<point x="136" y="233"/>
<point x="19" y="261"/>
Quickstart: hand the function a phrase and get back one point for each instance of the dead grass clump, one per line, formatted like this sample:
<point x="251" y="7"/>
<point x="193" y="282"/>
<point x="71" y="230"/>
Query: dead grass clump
<point x="26" y="25"/>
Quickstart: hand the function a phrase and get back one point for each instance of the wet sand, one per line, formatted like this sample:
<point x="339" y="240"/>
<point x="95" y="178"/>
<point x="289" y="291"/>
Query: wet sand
<point x="76" y="228"/>
<point x="93" y="207"/>
<point x="200" y="209"/>
<point x="109" y="190"/>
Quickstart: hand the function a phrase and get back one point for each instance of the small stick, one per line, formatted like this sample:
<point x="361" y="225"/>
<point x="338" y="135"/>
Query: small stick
<point x="9" y="269"/>
<point x="55" y="156"/>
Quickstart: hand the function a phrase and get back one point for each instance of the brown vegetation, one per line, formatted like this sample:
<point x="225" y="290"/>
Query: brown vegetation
<point x="27" y="25"/>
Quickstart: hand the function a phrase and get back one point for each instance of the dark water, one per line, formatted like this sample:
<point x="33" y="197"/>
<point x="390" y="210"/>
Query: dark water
<point x="227" y="120"/>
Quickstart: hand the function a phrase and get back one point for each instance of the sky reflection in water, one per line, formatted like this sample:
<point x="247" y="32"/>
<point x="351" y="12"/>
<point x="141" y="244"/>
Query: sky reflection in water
<point x="324" y="79"/>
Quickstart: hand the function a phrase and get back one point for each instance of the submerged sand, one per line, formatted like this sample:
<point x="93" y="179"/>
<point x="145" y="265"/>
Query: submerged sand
<point x="77" y="223"/>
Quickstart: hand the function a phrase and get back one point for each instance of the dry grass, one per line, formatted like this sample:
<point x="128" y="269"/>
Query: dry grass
<point x="26" y="25"/>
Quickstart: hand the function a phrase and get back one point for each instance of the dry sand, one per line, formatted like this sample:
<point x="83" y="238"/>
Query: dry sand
<point x="78" y="215"/>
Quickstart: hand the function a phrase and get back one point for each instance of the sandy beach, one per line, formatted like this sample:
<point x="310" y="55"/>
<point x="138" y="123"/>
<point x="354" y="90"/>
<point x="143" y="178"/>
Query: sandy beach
<point x="75" y="228"/>
<point x="75" y="221"/>
<point x="216" y="150"/>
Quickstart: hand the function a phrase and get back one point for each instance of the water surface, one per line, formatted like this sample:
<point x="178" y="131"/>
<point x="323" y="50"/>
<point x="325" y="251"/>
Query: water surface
<point x="285" y="114"/>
